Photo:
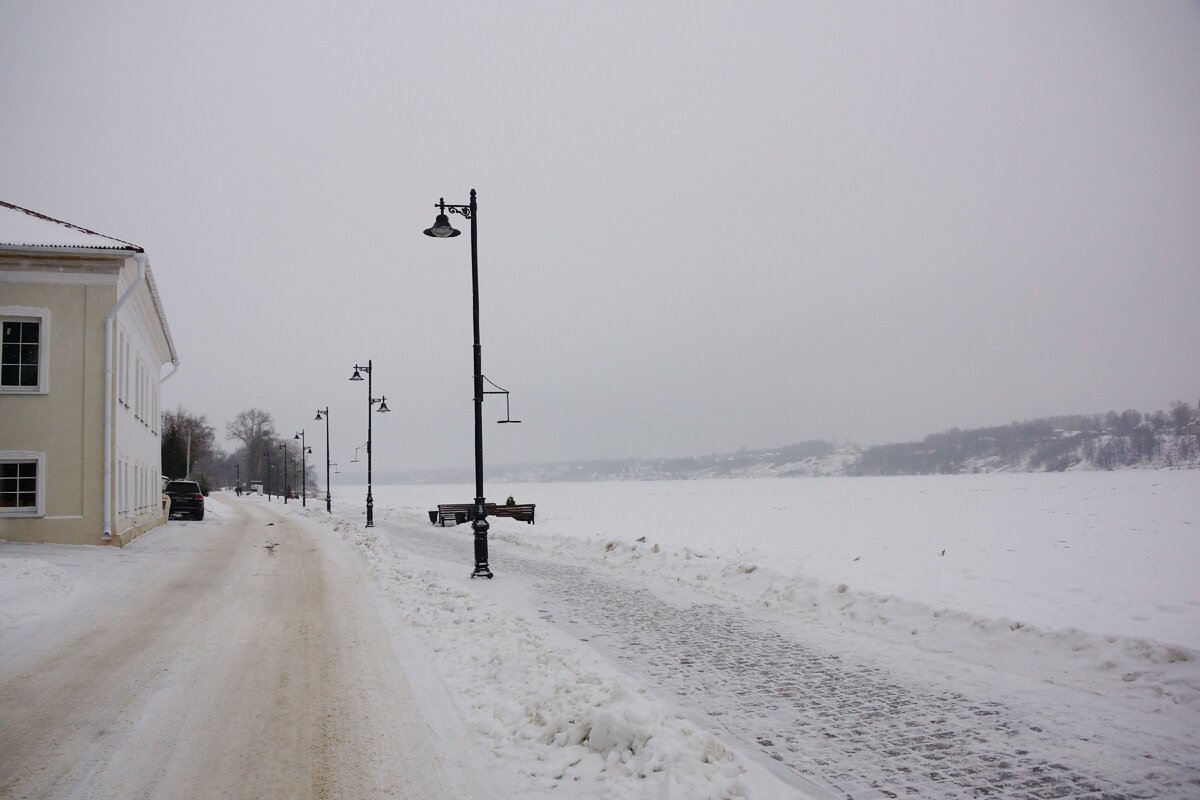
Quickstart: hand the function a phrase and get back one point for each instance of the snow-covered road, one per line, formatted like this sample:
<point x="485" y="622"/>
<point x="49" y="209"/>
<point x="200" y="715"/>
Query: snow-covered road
<point x="242" y="656"/>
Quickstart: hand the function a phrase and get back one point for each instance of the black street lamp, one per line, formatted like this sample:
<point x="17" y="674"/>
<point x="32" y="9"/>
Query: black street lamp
<point x="304" y="450"/>
<point x="283" y="447"/>
<point x="323" y="414"/>
<point x="383" y="409"/>
<point x="442" y="229"/>
<point x="270" y="466"/>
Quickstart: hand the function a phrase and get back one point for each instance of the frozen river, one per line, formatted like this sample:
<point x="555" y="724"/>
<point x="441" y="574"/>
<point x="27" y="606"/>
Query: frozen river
<point x="1105" y="552"/>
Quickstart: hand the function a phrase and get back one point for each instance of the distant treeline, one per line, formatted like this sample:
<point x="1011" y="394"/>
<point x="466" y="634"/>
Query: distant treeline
<point x="745" y="463"/>
<point x="1053" y="444"/>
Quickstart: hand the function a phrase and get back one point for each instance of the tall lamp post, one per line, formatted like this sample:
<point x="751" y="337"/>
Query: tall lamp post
<point x="442" y="229"/>
<point x="304" y="450"/>
<point x="323" y="414"/>
<point x="283" y="447"/>
<point x="383" y="409"/>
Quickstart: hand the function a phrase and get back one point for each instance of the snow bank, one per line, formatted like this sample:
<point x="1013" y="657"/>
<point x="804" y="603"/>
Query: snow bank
<point x="1104" y="552"/>
<point x="1146" y="674"/>
<point x="1084" y="580"/>
<point x="568" y="726"/>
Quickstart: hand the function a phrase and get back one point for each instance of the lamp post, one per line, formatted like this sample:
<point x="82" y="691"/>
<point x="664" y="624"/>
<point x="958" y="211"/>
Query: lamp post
<point x="371" y="401"/>
<point x="304" y="450"/>
<point x="267" y="458"/>
<point x="283" y="447"/>
<point x="323" y="414"/>
<point x="442" y="229"/>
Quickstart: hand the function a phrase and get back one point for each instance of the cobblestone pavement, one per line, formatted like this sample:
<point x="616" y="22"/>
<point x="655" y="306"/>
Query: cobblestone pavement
<point x="829" y="716"/>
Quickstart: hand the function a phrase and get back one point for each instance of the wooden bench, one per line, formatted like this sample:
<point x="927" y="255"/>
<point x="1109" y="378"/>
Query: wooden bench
<point x="520" y="512"/>
<point x="458" y="513"/>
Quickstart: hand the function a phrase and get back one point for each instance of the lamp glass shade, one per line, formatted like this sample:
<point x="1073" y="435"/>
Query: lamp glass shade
<point x="383" y="409"/>
<point x="442" y="229"/>
<point x="356" y="376"/>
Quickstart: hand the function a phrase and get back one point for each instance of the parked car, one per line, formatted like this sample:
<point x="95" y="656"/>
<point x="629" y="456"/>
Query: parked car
<point x="186" y="499"/>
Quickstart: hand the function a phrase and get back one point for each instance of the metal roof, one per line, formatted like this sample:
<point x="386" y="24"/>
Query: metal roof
<point x="28" y="230"/>
<point x="20" y="227"/>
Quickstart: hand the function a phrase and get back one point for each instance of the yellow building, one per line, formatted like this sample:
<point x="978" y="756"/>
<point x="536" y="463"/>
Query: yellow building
<point x="84" y="344"/>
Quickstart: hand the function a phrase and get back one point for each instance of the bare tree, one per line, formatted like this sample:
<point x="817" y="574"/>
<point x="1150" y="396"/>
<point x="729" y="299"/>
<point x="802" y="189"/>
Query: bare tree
<point x="255" y="429"/>
<point x="187" y="439"/>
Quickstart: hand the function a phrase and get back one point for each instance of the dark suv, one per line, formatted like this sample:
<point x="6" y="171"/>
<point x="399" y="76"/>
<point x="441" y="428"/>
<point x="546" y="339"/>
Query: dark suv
<point x="185" y="499"/>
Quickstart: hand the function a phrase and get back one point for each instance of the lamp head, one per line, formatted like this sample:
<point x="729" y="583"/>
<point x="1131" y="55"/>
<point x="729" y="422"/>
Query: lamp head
<point x="383" y="409"/>
<point x="319" y="417"/>
<point x="442" y="229"/>
<point x="356" y="376"/>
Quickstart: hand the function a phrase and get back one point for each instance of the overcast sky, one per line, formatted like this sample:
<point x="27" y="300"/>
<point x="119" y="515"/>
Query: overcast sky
<point x="702" y="225"/>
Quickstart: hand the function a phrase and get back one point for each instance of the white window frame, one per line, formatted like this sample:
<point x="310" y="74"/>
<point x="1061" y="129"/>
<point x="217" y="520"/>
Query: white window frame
<point x="122" y="392"/>
<point x="42" y="317"/>
<point x="125" y="372"/>
<point x="18" y="456"/>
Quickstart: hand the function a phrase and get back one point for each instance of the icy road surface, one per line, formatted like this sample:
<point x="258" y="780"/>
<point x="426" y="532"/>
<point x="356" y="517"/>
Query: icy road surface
<point x="237" y="657"/>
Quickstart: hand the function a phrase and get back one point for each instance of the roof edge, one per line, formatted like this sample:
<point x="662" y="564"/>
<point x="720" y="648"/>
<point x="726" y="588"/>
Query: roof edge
<point x="38" y="215"/>
<point x="162" y="314"/>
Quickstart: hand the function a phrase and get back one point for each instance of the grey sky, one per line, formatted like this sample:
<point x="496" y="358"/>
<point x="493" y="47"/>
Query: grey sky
<point x="702" y="225"/>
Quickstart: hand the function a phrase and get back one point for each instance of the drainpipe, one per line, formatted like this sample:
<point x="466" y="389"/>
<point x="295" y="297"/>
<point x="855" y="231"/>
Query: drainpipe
<point x="109" y="521"/>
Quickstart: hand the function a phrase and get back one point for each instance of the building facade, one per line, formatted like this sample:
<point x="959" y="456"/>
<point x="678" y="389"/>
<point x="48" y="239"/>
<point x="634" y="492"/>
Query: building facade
<point x="85" y="341"/>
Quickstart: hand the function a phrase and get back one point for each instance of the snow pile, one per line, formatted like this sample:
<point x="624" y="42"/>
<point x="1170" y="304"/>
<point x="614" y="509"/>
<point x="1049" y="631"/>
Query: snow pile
<point x="1146" y="674"/>
<point x="1090" y="571"/>
<point x="29" y="586"/>
<point x="568" y="726"/>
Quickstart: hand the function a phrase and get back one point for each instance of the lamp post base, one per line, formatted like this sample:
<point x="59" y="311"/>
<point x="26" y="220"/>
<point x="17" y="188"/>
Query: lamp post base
<point x="480" y="526"/>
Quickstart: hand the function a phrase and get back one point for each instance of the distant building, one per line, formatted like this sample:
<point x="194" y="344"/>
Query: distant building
<point x="84" y="343"/>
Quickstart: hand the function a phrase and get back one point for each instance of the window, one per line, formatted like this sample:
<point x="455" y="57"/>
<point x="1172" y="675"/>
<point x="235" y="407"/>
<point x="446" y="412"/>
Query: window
<point x="23" y="349"/>
<point x="21" y="343"/>
<point x="122" y="392"/>
<point x="21" y="489"/>
<point x="125" y="372"/>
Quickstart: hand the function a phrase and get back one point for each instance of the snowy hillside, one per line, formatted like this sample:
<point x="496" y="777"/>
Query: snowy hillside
<point x="1015" y="448"/>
